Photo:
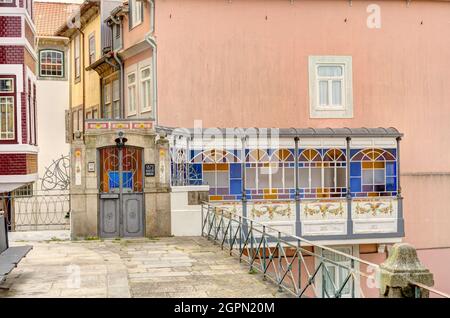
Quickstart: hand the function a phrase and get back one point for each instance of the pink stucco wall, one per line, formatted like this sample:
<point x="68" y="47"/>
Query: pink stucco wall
<point x="136" y="34"/>
<point x="245" y="63"/>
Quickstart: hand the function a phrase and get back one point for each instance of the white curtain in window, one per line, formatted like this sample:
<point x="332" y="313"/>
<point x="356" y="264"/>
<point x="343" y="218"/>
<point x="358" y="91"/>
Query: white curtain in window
<point x="337" y="92"/>
<point x="6" y="117"/>
<point x="323" y="93"/>
<point x="116" y="99"/>
<point x="330" y="71"/>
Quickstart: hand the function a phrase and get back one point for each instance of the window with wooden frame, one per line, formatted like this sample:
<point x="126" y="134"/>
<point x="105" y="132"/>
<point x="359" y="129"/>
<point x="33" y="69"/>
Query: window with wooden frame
<point x="136" y="12"/>
<point x="7" y="3"/>
<point x="116" y="98"/>
<point x="51" y="63"/>
<point x="107" y="107"/>
<point x="76" y="54"/>
<point x="131" y="93"/>
<point x="80" y="119"/>
<point x="7" y="108"/>
<point x="146" y="89"/>
<point x="91" y="48"/>
<point x="330" y="86"/>
<point x="75" y="121"/>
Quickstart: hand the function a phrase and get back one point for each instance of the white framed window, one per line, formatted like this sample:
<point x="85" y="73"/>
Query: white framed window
<point x="80" y="119"/>
<point x="107" y="112"/>
<point x="24" y="191"/>
<point x="75" y="127"/>
<point x="330" y="87"/>
<point x="6" y="1"/>
<point x="6" y="85"/>
<point x="6" y="117"/>
<point x="136" y="12"/>
<point x="116" y="98"/>
<point x="146" y="89"/>
<point x="131" y="93"/>
<point x="91" y="48"/>
<point x="76" y="55"/>
<point x="51" y="63"/>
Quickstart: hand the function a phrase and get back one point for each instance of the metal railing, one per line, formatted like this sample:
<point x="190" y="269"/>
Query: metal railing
<point x="43" y="210"/>
<point x="298" y="266"/>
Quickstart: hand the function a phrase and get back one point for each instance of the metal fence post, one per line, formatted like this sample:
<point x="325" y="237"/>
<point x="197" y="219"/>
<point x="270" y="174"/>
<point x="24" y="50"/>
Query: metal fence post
<point x="299" y="263"/>
<point x="240" y="238"/>
<point x="352" y="281"/>
<point x="250" y="236"/>
<point x="263" y="237"/>
<point x="280" y="267"/>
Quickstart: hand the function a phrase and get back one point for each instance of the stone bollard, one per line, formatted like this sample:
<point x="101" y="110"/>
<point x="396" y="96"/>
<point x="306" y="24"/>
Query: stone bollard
<point x="401" y="266"/>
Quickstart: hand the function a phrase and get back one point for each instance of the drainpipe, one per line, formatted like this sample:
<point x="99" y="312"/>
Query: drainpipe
<point x="152" y="16"/>
<point x="119" y="61"/>
<point x="152" y="42"/>
<point x="82" y="69"/>
<point x="121" y="76"/>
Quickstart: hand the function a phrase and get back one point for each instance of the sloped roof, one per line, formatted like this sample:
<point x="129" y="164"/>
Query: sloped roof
<point x="296" y="132"/>
<point x="87" y="10"/>
<point x="49" y="16"/>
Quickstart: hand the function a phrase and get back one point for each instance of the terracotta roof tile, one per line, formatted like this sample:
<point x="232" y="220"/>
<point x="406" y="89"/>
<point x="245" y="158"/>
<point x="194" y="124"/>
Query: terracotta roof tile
<point x="49" y="16"/>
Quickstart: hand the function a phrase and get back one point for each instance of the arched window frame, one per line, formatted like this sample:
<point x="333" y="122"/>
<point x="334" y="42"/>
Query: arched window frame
<point x="373" y="163"/>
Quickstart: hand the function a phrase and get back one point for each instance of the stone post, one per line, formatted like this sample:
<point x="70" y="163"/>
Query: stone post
<point x="163" y="163"/>
<point x="401" y="267"/>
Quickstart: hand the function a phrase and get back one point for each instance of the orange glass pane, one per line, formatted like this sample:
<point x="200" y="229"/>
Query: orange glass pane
<point x="378" y="165"/>
<point x="209" y="167"/>
<point x="222" y="167"/>
<point x="367" y="165"/>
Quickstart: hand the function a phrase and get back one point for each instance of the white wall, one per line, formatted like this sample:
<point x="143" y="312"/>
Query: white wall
<point x="52" y="101"/>
<point x="186" y="220"/>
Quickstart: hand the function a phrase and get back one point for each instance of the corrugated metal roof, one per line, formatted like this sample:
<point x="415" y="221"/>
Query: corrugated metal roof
<point x="295" y="132"/>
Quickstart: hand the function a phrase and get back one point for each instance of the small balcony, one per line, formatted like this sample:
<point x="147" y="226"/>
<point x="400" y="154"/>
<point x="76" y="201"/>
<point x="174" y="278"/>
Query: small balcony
<point x="321" y="184"/>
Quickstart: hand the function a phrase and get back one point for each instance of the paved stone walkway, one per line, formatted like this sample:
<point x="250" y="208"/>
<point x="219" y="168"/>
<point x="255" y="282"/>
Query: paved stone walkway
<point x="165" y="267"/>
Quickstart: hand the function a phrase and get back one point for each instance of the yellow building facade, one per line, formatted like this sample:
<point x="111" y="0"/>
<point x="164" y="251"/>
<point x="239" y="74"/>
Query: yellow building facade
<point x="84" y="32"/>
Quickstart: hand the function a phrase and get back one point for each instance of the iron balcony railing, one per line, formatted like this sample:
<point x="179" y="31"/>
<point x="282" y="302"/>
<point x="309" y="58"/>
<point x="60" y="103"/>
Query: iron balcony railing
<point x="298" y="266"/>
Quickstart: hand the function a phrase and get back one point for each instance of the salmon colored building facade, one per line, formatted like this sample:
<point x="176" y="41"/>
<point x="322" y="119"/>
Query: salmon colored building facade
<point x="248" y="63"/>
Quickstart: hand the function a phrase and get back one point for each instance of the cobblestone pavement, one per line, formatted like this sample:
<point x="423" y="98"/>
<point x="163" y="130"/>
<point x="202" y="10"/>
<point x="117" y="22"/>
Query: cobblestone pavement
<point x="162" y="267"/>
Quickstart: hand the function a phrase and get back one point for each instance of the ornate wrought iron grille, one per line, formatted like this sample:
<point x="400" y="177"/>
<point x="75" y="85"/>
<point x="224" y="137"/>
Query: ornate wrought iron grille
<point x="120" y="164"/>
<point x="57" y="175"/>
